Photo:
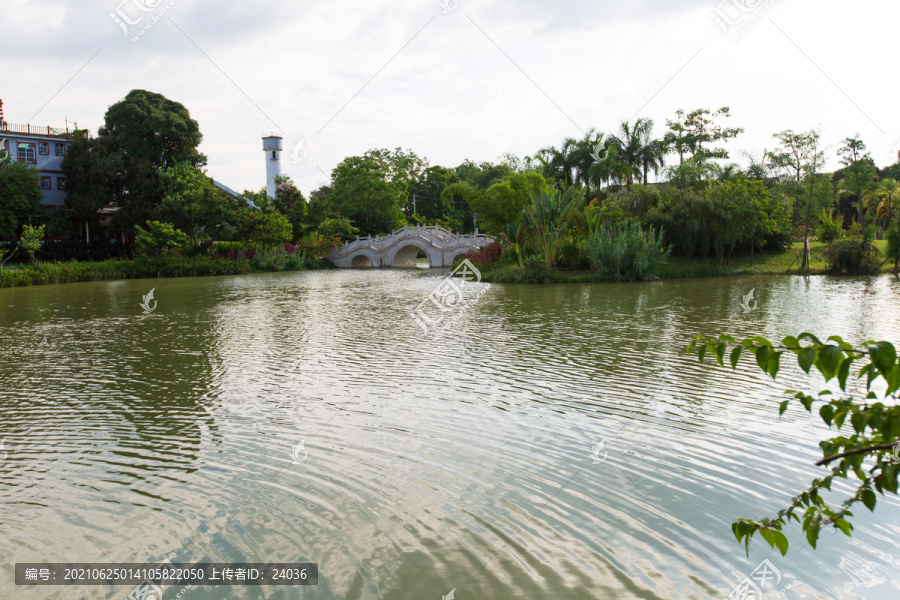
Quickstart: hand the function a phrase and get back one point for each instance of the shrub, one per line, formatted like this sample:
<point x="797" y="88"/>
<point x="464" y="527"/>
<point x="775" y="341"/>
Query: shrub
<point x="485" y="258"/>
<point x="893" y="246"/>
<point x="272" y="258"/>
<point x="343" y="229"/>
<point x="626" y="251"/>
<point x="31" y="239"/>
<point x="846" y="256"/>
<point x="536" y="270"/>
<point x="159" y="239"/>
<point x="830" y="229"/>
<point x="573" y="257"/>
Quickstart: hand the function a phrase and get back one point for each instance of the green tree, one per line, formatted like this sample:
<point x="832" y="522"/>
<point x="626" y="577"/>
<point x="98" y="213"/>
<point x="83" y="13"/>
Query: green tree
<point x="797" y="157"/>
<point x="270" y="228"/>
<point x="149" y="132"/>
<point x="31" y="240"/>
<point x="428" y="190"/>
<point x="20" y="196"/>
<point x="191" y="201"/>
<point x="862" y="451"/>
<point x="93" y="169"/>
<point x="290" y="202"/>
<point x="628" y="141"/>
<point x="859" y="177"/>
<point x="550" y="217"/>
<point x="341" y="229"/>
<point x="159" y="238"/>
<point x="697" y="134"/>
<point x="364" y="193"/>
<point x="503" y="202"/>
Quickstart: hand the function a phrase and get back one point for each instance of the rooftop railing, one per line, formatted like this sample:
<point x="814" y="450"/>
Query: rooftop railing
<point x="28" y="129"/>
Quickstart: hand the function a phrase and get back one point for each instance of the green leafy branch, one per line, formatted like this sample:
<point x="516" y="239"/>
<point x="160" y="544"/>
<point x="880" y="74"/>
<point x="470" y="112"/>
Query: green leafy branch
<point x="875" y="427"/>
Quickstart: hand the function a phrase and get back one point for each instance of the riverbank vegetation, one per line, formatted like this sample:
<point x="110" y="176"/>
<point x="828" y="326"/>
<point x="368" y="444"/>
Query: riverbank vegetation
<point x="584" y="210"/>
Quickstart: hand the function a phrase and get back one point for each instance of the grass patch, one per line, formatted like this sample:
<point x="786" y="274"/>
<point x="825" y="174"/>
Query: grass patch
<point x="139" y="268"/>
<point x="779" y="263"/>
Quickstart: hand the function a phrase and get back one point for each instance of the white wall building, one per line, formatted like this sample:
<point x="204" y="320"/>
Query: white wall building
<point x="40" y="147"/>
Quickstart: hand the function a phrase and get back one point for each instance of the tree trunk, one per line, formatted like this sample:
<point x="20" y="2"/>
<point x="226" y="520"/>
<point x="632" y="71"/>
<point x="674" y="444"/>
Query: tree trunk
<point x="645" y="171"/>
<point x="862" y="223"/>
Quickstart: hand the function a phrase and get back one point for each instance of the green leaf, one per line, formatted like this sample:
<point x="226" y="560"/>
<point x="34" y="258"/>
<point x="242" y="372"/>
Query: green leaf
<point x="844" y="372"/>
<point x="781" y="542"/>
<point x="806" y="357"/>
<point x="812" y="533"/>
<point x="762" y="357"/>
<point x="735" y="354"/>
<point x="768" y="535"/>
<point x="827" y="413"/>
<point x="839" y="418"/>
<point x="810" y="337"/>
<point x="720" y="353"/>
<point x="845" y="526"/>
<point x="773" y="366"/>
<point x="783" y="407"/>
<point x="858" y="420"/>
<point x="829" y="360"/>
<point x="883" y="355"/>
<point x="868" y="499"/>
<point x="791" y="342"/>
<point x="702" y="352"/>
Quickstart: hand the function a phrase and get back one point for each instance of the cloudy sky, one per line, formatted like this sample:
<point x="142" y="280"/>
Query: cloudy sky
<point x="463" y="79"/>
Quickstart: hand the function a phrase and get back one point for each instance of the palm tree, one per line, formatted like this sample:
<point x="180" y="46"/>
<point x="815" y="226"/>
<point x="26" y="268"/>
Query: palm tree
<point x="558" y="164"/>
<point x="550" y="217"/>
<point x="652" y="151"/>
<point x="880" y="202"/>
<point x="629" y="144"/>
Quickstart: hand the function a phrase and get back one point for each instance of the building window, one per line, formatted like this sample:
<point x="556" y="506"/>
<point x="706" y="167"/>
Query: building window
<point x="44" y="148"/>
<point x="26" y="153"/>
<point x="60" y="149"/>
<point x="61" y="183"/>
<point x="45" y="182"/>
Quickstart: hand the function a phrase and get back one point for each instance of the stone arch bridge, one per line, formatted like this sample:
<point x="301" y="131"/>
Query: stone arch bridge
<point x="400" y="248"/>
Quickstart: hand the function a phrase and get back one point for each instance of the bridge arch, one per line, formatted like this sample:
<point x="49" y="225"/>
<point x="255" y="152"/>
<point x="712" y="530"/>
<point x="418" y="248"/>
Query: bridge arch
<point x="361" y="261"/>
<point x="406" y="254"/>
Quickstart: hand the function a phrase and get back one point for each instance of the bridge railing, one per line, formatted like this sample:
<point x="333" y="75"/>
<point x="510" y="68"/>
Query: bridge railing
<point x="433" y="233"/>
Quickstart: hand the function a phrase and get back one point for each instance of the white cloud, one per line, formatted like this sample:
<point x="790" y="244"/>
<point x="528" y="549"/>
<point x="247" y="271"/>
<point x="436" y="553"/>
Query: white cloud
<point x="451" y="94"/>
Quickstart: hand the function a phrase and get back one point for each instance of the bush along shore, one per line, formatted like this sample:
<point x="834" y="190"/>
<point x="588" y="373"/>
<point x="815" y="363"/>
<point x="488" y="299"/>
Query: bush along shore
<point x="231" y="261"/>
<point x="561" y="239"/>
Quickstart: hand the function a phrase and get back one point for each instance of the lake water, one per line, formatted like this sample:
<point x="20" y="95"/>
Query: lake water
<point x="466" y="462"/>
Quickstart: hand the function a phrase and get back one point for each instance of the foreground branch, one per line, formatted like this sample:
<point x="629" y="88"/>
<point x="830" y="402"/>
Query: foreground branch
<point x="829" y="459"/>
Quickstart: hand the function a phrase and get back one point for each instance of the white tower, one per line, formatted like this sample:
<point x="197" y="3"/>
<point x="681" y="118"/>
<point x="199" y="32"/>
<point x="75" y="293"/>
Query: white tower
<point x="272" y="147"/>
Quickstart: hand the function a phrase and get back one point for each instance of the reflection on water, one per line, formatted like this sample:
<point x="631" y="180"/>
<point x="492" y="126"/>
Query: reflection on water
<point x="470" y="462"/>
